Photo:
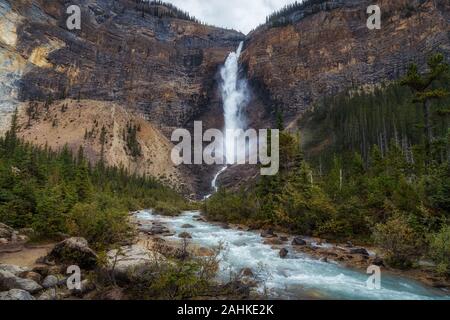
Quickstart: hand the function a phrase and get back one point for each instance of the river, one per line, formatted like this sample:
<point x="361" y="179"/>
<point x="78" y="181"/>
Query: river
<point x="298" y="276"/>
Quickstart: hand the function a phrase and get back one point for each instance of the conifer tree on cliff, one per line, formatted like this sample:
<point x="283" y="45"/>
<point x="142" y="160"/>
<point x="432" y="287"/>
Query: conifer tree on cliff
<point x="426" y="91"/>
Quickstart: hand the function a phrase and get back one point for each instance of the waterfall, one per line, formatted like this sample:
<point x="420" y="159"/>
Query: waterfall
<point x="235" y="96"/>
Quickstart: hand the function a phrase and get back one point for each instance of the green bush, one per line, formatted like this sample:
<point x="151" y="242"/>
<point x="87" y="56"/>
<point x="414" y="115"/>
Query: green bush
<point x="102" y="223"/>
<point x="440" y="250"/>
<point x="399" y="241"/>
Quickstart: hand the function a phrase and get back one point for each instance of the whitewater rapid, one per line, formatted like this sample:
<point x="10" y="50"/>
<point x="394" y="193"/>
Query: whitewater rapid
<point x="298" y="276"/>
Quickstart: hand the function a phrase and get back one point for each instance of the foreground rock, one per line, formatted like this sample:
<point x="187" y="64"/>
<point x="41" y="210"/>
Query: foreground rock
<point x="9" y="281"/>
<point x="50" y="282"/>
<point x="15" y="270"/>
<point x="74" y="251"/>
<point x="16" y="294"/>
<point x="131" y="261"/>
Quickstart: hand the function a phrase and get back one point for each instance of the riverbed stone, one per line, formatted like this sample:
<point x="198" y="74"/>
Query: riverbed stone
<point x="268" y="234"/>
<point x="273" y="241"/>
<point x="187" y="226"/>
<point x="297" y="241"/>
<point x="16" y="294"/>
<point x="283" y="253"/>
<point x="246" y="272"/>
<point x="362" y="251"/>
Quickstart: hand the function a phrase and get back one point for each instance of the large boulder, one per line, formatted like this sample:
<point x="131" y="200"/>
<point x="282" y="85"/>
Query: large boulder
<point x="268" y="234"/>
<point x="15" y="270"/>
<point x="131" y="261"/>
<point x="50" y="281"/>
<point x="297" y="241"/>
<point x="9" y="281"/>
<point x="16" y="294"/>
<point x="74" y="251"/>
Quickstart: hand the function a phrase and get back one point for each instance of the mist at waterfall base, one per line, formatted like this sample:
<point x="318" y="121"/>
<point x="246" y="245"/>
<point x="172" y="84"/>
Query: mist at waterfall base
<point x="298" y="276"/>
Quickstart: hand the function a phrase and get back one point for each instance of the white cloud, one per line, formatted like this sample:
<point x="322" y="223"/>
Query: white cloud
<point x="242" y="15"/>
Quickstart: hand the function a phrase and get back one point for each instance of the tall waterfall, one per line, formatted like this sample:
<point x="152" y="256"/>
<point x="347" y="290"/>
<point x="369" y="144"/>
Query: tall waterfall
<point x="235" y="97"/>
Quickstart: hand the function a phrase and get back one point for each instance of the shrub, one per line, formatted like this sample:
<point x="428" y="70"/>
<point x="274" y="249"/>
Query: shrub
<point x="399" y="240"/>
<point x="102" y="223"/>
<point x="440" y="250"/>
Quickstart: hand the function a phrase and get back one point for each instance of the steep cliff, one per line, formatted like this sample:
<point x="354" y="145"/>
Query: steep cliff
<point x="161" y="66"/>
<point x="142" y="59"/>
<point x="325" y="47"/>
<point x="155" y="62"/>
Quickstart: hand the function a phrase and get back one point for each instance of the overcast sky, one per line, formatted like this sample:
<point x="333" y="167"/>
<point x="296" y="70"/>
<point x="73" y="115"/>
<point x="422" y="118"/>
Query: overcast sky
<point x="242" y="15"/>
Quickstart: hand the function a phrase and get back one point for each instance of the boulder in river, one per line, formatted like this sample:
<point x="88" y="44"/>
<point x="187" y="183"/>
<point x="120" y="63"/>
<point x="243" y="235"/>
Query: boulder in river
<point x="359" y="251"/>
<point x="16" y="294"/>
<point x="246" y="272"/>
<point x="9" y="281"/>
<point x="297" y="241"/>
<point x="185" y="235"/>
<point x="283" y="253"/>
<point x="74" y="251"/>
<point x="273" y="241"/>
<point x="187" y="226"/>
<point x="268" y="234"/>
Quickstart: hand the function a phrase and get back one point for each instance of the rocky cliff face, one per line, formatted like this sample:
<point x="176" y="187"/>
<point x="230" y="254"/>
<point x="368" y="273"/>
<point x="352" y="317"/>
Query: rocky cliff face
<point x="326" y="48"/>
<point x="163" y="67"/>
<point x="136" y="58"/>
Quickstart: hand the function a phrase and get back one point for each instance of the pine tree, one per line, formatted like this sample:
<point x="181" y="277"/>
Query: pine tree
<point x="426" y="92"/>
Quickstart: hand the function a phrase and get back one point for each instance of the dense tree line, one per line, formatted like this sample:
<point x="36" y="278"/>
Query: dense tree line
<point x="57" y="192"/>
<point x="356" y="121"/>
<point x="282" y="17"/>
<point x="375" y="189"/>
<point x="162" y="9"/>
